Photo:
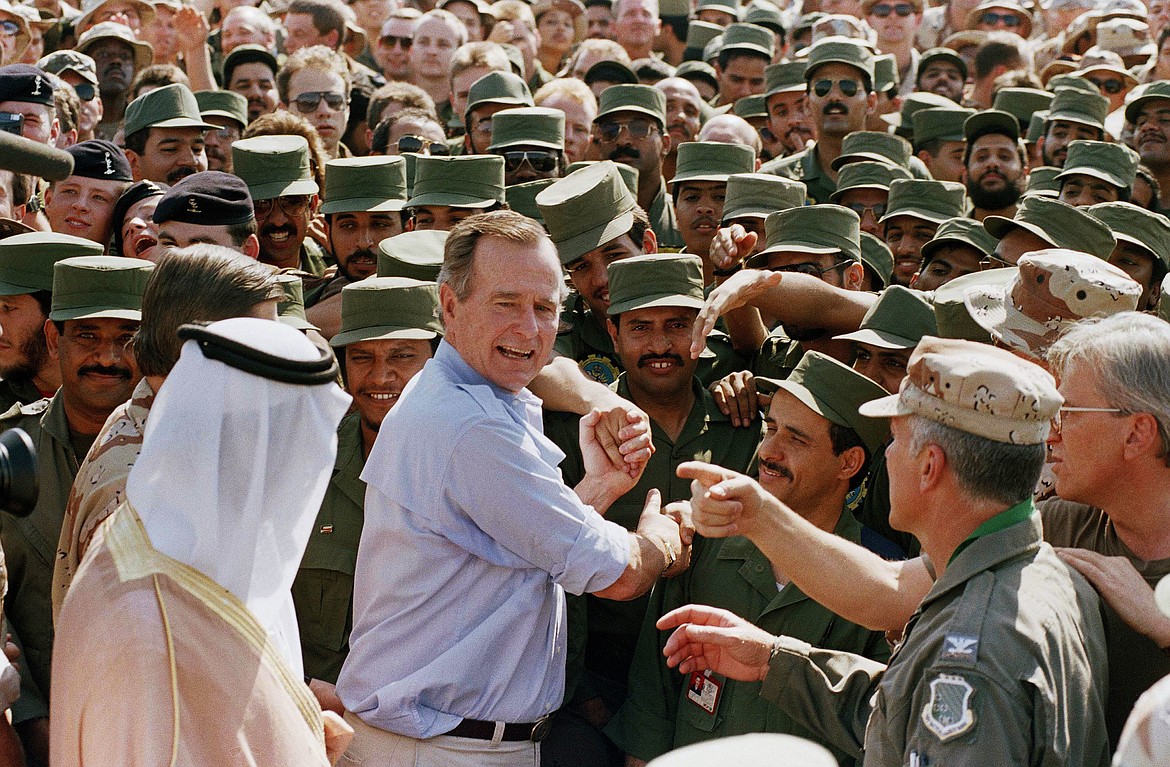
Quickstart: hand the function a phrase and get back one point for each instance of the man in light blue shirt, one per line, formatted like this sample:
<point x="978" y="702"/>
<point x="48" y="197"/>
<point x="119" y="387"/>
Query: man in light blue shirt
<point x="471" y="537"/>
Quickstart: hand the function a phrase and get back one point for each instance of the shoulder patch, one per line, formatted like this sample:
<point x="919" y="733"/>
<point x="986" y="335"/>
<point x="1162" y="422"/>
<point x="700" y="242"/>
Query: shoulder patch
<point x="960" y="647"/>
<point x="599" y="368"/>
<point x="948" y="713"/>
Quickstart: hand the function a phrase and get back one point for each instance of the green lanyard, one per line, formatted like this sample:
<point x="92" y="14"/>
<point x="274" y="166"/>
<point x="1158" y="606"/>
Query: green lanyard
<point x="1021" y="512"/>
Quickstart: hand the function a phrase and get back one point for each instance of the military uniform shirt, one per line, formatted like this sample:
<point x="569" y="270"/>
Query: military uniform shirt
<point x="323" y="590"/>
<point x="664" y="223"/>
<point x="17" y="392"/>
<point x="804" y="167"/>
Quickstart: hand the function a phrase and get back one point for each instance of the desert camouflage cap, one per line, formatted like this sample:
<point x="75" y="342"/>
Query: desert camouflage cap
<point x="643" y="282"/>
<point x="112" y="30"/>
<point x="760" y="195"/>
<point x="70" y="61"/>
<point x="977" y="389"/>
<point x="378" y="308"/>
<point x="899" y="320"/>
<point x="1052" y="290"/>
<point x="417" y="255"/>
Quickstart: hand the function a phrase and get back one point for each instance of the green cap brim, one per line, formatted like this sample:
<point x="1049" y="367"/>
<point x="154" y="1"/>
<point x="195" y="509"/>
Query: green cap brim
<point x="184" y="122"/>
<point x="12" y="289"/>
<point x="878" y="338"/>
<point x="1099" y="173"/>
<point x="283" y="189"/>
<point x="805" y="395"/>
<point x="450" y="200"/>
<point x="95" y="313"/>
<point x="699" y="176"/>
<point x="757" y="260"/>
<point x="837" y="195"/>
<point x="998" y="226"/>
<point x="630" y="108"/>
<point x="527" y="142"/>
<point x="649" y="302"/>
<point x="925" y="215"/>
<point x="380" y="332"/>
<point x="222" y="113"/>
<point x="573" y="248"/>
<point x="364" y="205"/>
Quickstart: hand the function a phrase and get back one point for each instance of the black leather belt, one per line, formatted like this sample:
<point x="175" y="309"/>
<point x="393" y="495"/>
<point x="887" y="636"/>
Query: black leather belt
<point x="480" y="730"/>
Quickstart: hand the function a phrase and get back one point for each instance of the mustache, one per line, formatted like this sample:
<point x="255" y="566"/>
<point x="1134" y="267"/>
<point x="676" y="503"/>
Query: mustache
<point x="624" y="152"/>
<point x="834" y="105"/>
<point x="363" y="253"/>
<point x="777" y="468"/>
<point x="178" y="174"/>
<point x="704" y="220"/>
<point x="103" y="370"/>
<point x="277" y="229"/>
<point x="648" y="358"/>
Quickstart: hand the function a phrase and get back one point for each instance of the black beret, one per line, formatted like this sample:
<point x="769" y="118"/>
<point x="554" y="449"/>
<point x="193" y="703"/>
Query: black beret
<point x="100" y="159"/>
<point x="211" y="197"/>
<point x="24" y="82"/>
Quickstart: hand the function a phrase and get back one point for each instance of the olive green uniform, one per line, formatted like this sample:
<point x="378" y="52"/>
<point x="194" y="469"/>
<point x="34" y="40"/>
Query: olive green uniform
<point x="1003" y="662"/>
<point x="323" y="589"/>
<point x="664" y="222"/>
<point x="30" y="544"/>
<point x="804" y="167"/>
<point x="583" y="339"/>
<point x="666" y="709"/>
<point x="17" y="392"/>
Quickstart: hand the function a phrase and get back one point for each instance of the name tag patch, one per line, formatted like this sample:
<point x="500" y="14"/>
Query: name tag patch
<point x="704" y="691"/>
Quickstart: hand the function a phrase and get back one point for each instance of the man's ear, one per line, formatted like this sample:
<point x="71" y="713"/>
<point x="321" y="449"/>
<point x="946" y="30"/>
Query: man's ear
<point x="52" y="339"/>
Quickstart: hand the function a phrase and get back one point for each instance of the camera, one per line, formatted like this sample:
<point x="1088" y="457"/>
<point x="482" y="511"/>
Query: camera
<point x="18" y="473"/>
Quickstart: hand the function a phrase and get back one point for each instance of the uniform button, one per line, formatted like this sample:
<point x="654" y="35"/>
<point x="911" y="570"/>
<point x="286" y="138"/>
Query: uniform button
<point x="759" y="568"/>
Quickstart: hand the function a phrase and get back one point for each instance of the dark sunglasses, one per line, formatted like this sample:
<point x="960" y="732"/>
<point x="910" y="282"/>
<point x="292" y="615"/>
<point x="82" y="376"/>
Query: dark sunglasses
<point x="308" y="102"/>
<point x="391" y="41"/>
<point x="293" y="205"/>
<point x="418" y="145"/>
<point x="849" y="88"/>
<point x="541" y="162"/>
<point x="1112" y="85"/>
<point x="1009" y="19"/>
<point x="85" y="91"/>
<point x="878" y="210"/>
<point x="811" y="269"/>
<point x="637" y="128"/>
<point x="882" y="10"/>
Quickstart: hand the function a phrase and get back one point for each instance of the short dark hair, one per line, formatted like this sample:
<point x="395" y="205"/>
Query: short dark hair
<point x="843" y="438"/>
<point x="678" y="25"/>
<point x="327" y="16"/>
<point x="156" y="76"/>
<point x="406" y="94"/>
<point x="726" y="56"/>
<point x="996" y="51"/>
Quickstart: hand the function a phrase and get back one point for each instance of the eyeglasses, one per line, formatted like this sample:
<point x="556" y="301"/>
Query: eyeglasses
<point x="85" y="91"/>
<point x="293" y="205"/>
<point x="1112" y="85"/>
<point x="991" y="18"/>
<point x="9" y="28"/>
<point x="541" y="162"/>
<point x="882" y="10"/>
<point x="848" y="88"/>
<point x="1056" y="421"/>
<point x="992" y="261"/>
<point x="878" y="210"/>
<point x="308" y="102"/>
<point x="390" y="41"/>
<point x="811" y="269"/>
<point x="421" y="145"/>
<point x="637" y="128"/>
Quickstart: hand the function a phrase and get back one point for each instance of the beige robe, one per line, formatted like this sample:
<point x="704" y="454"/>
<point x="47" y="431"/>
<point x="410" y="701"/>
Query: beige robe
<point x="156" y="664"/>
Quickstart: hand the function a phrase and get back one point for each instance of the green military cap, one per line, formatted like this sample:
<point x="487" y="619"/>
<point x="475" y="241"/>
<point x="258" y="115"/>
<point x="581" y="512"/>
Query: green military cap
<point x="528" y="126"/>
<point x="760" y="195"/>
<point x="977" y="389"/>
<point x="290" y="310"/>
<point x="747" y="38"/>
<point x="878" y="257"/>
<point x="840" y="50"/>
<point x="227" y="104"/>
<point x="899" y="320"/>
<point x="629" y="172"/>
<point x="835" y="391"/>
<point x="274" y="166"/>
<point x="699" y="33"/>
<point x="522" y="197"/>
<point x="872" y="145"/>
<point x="1114" y="163"/>
<point x="91" y="287"/>
<point x="365" y="184"/>
<point x="712" y="161"/>
<point x="1042" y="181"/>
<point x="498" y="88"/>
<point x="663" y="279"/>
<point x="586" y="209"/>
<point x="699" y="70"/>
<point x="885" y="73"/>
<point x="932" y="55"/>
<point x="632" y="98"/>
<point x="171" y="106"/>
<point x="417" y="255"/>
<point x="1036" y="126"/>
<point x="991" y="121"/>
<point x="726" y="6"/>
<point x="1069" y="80"/>
<point x="758" y="748"/>
<point x="1164" y="299"/>
<point x="1058" y="224"/>
<point x="470" y="181"/>
<point x="1160" y="89"/>
<point x="933" y="201"/>
<point x="671" y="8"/>
<point x="903" y="119"/>
<point x="784" y="78"/>
<point x="1137" y="226"/>
<point x="940" y="124"/>
<point x="1074" y="105"/>
<point x="749" y="107"/>
<point x="26" y="260"/>
<point x="388" y="307"/>
<point x="815" y="229"/>
<point x="959" y="231"/>
<point x="950" y="310"/>
<point x="1021" y="103"/>
<point x="867" y="175"/>
<point x="766" y="15"/>
<point x="711" y="50"/>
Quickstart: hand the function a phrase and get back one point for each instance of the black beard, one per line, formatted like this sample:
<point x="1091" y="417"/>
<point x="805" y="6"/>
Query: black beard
<point x="35" y="352"/>
<point x="994" y="199"/>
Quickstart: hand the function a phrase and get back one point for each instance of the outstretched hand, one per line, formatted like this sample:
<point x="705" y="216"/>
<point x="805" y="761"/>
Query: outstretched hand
<point x="708" y="638"/>
<point x="740" y="290"/>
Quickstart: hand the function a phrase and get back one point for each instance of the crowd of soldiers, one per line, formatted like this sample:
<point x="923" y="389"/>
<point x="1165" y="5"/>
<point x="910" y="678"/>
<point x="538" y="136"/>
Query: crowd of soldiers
<point x="587" y="383"/>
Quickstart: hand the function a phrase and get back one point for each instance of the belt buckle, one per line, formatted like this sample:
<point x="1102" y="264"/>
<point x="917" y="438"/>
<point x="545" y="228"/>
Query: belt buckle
<point x="541" y="728"/>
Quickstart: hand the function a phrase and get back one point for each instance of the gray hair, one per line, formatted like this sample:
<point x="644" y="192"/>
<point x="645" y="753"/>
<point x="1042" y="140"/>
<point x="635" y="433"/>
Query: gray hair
<point x="1130" y="355"/>
<point x="985" y="470"/>
<point x="459" y="251"/>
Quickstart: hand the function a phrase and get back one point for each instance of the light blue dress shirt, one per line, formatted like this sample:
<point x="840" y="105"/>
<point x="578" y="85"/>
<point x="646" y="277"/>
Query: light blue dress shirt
<point x="470" y="541"/>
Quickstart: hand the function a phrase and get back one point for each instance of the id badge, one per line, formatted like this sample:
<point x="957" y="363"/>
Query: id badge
<point x="704" y="691"/>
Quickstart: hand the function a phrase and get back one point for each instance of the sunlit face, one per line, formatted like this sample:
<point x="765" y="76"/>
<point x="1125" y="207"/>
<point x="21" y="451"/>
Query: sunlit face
<point x="948" y="262"/>
<point x="435" y="41"/>
<point x="441" y="217"/>
<point x="589" y="274"/>
<point x="40" y="124"/>
<point x="354" y="237"/>
<point x="836" y="114"/>
<point x="886" y="367"/>
<point x="905" y="236"/>
<point x="1152" y="132"/>
<point x="598" y="22"/>
<point x="699" y="209"/>
<point x="469" y="15"/>
<point x="98" y="369"/>
<point x="240" y="29"/>
<point x="1141" y="266"/>
<point x="22" y="341"/>
<point x="743" y="76"/>
<point x="376" y="372"/>
<point x="637" y="23"/>
<point x="789" y="121"/>
<point x="654" y="345"/>
<point x="120" y="11"/>
<point x="1060" y="134"/>
<point x="328" y="120"/>
<point x="301" y="32"/>
<point x="1086" y="450"/>
<point x="83" y="207"/>
<point x="943" y="78"/>
<point x="139" y="232"/>
<point x="578" y="121"/>
<point x="797" y="463"/>
<point x="461" y="87"/>
<point x="114" y="62"/>
<point x="255" y="82"/>
<point x="556" y="30"/>
<point x="683" y="110"/>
